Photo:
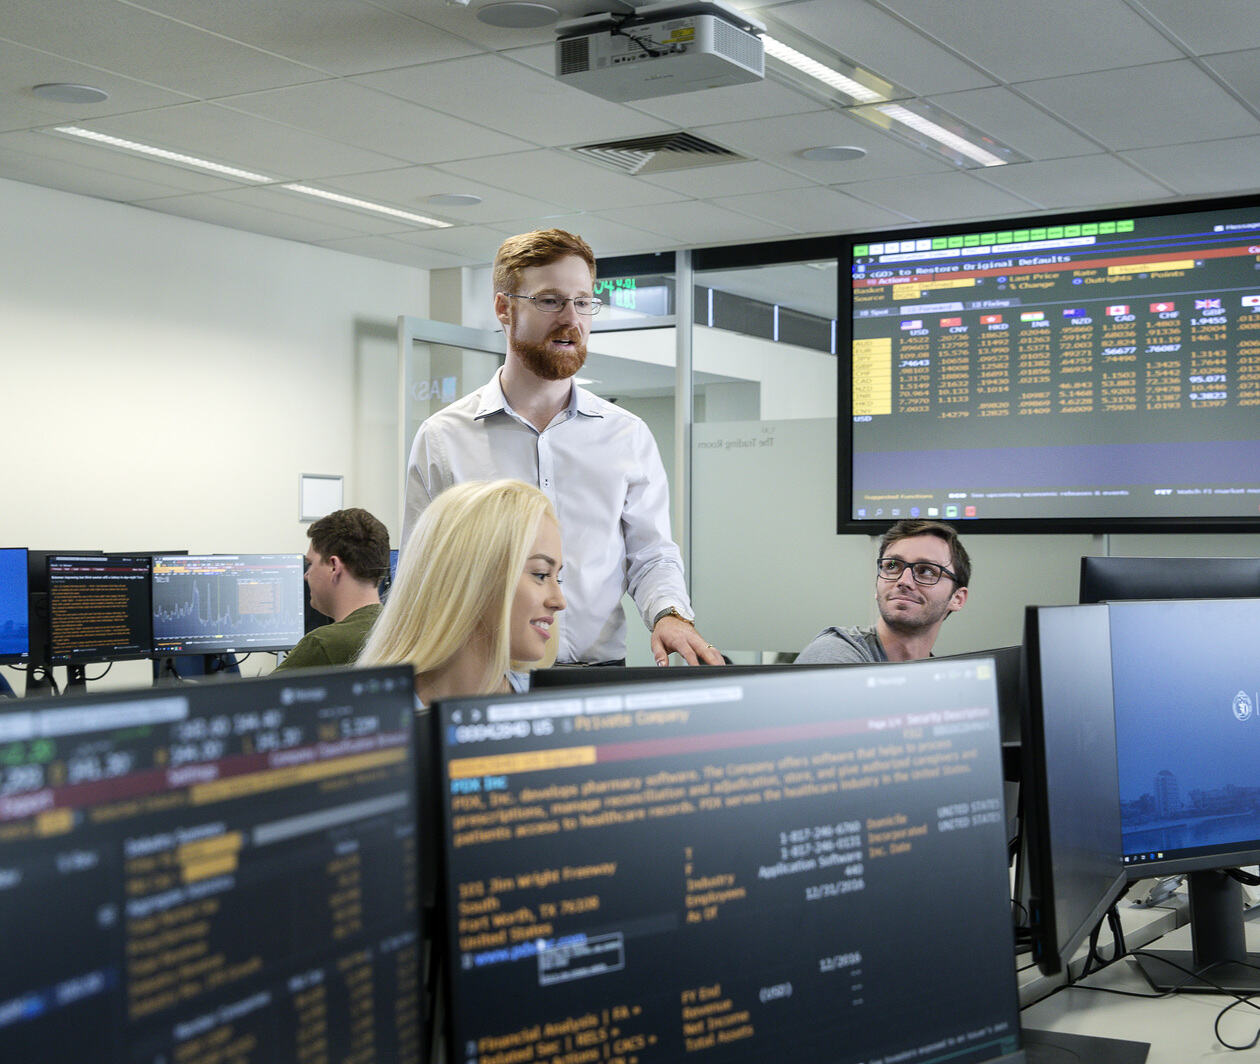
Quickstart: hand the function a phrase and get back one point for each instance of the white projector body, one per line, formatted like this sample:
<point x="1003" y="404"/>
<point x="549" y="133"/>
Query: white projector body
<point x="659" y="57"/>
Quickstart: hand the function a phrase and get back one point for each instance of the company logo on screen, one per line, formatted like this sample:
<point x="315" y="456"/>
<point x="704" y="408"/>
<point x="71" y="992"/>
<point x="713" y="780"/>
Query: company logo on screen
<point x="1243" y="706"/>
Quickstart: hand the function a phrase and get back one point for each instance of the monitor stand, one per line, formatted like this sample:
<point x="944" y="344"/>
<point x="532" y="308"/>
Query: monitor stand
<point x="76" y="678"/>
<point x="1219" y="958"/>
<point x="1057" y="1047"/>
<point x="39" y="680"/>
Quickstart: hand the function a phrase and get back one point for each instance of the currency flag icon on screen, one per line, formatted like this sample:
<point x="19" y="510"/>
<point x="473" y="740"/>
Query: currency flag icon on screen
<point x="990" y="319"/>
<point x="1074" y="312"/>
<point x="1033" y="315"/>
<point x="1251" y="301"/>
<point x="1207" y="304"/>
<point x="917" y="323"/>
<point x="1160" y="308"/>
<point x="1119" y="308"/>
<point x="949" y="323"/>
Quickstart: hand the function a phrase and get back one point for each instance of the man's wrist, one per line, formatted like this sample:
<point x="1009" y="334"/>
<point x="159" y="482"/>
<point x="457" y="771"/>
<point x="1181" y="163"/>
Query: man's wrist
<point x="671" y="611"/>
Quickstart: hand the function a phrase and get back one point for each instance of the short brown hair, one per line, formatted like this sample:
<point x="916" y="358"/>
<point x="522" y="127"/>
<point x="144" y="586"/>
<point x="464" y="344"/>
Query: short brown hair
<point x="357" y="538"/>
<point x="959" y="561"/>
<point x="542" y="247"/>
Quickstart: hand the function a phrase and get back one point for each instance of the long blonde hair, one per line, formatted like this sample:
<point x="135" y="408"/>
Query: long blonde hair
<point x="457" y="577"/>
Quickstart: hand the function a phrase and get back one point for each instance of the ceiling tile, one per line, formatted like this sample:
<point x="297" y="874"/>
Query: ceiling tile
<point x="391" y="250"/>
<point x="51" y="171"/>
<point x="1018" y="40"/>
<point x="338" y="219"/>
<point x="552" y="176"/>
<point x="727" y="179"/>
<point x="812" y="210"/>
<point x="605" y="235"/>
<point x="147" y="47"/>
<point x="940" y="197"/>
<point x="1241" y="71"/>
<point x="1141" y="107"/>
<point x="411" y="186"/>
<point x="695" y="222"/>
<point x="510" y="97"/>
<point x="1015" y="122"/>
<point x="354" y="114"/>
<point x="22" y="68"/>
<point x="1235" y="165"/>
<point x="156" y="178"/>
<point x="781" y="140"/>
<point x="1089" y="181"/>
<point x="242" y="140"/>
<point x="473" y="243"/>
<point x="884" y="45"/>
<point x="255" y="217"/>
<point x="338" y="36"/>
<point x="1216" y="27"/>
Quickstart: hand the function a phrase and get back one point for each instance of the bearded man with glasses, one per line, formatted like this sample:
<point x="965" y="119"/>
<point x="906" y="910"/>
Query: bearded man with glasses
<point x="921" y="577"/>
<point x="596" y="462"/>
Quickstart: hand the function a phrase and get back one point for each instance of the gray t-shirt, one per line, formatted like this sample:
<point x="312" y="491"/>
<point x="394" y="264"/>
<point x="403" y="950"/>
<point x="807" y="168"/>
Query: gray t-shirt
<point x="843" y="646"/>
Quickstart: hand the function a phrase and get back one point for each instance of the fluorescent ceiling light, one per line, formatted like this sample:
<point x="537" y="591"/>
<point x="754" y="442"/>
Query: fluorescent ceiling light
<point x="940" y="134"/>
<point x="830" y="77"/>
<point x="178" y="158"/>
<point x="366" y="205"/>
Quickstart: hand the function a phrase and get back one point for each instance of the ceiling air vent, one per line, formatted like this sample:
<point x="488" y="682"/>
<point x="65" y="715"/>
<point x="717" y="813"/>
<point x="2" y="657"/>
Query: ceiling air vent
<point x="654" y="155"/>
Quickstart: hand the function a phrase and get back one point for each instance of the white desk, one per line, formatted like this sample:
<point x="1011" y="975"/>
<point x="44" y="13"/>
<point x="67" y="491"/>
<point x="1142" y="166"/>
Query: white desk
<point x="1178" y="1027"/>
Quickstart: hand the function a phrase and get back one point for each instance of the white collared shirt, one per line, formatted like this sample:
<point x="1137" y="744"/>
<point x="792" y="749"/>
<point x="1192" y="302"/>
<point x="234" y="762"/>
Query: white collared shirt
<point x="599" y="466"/>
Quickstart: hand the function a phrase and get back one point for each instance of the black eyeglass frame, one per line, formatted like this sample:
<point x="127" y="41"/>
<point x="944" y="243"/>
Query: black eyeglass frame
<point x="902" y="566"/>
<point x="596" y="304"/>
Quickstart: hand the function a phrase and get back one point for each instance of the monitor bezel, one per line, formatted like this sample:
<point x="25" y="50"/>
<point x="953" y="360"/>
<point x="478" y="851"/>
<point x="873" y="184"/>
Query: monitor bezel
<point x="162" y="651"/>
<point x="848" y="525"/>
<point x="1117" y="578"/>
<point x="102" y="656"/>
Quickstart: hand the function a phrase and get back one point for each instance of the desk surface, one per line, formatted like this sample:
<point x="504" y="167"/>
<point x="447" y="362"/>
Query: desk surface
<point x="1178" y="1027"/>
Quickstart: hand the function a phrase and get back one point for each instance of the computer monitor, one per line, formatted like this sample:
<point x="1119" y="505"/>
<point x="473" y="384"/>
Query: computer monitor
<point x="15" y="627"/>
<point x="223" y="872"/>
<point x="782" y="865"/>
<point x="1008" y="660"/>
<point x="1070" y="783"/>
<point x="222" y="603"/>
<point x="1114" y="579"/>
<point x="98" y="608"/>
<point x="1186" y="676"/>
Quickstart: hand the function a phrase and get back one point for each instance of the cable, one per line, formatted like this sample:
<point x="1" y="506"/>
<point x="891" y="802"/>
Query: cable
<point x="90" y="679"/>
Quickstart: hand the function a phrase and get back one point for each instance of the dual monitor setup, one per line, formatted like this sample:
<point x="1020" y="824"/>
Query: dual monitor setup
<point x="76" y="608"/>
<point x="732" y="865"/>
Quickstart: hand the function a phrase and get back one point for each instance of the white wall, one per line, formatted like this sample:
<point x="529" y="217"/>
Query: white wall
<point x="163" y="382"/>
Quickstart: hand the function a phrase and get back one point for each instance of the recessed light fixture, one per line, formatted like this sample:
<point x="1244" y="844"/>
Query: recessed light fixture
<point x="191" y="162"/>
<point x="366" y="205"/>
<point x="831" y="76"/>
<point x="929" y="127"/>
<point x="835" y="153"/>
<point x="454" y="199"/>
<point x="64" y="92"/>
<point x="518" y="15"/>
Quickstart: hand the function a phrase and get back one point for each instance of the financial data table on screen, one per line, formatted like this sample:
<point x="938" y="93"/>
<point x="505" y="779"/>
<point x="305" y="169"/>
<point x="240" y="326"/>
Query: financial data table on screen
<point x="222" y="874"/>
<point x="209" y="604"/>
<point x="783" y="866"/>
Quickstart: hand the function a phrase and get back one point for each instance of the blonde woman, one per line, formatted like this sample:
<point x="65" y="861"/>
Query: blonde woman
<point x="478" y="587"/>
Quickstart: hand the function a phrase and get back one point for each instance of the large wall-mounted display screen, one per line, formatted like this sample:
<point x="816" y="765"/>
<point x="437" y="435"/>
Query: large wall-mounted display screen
<point x="1086" y="372"/>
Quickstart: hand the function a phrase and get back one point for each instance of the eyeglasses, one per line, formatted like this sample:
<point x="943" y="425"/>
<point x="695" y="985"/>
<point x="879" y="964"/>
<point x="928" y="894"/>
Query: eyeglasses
<point x="586" y="305"/>
<point x="926" y="573"/>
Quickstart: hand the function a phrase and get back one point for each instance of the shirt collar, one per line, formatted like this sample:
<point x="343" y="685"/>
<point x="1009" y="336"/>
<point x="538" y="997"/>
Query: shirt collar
<point x="493" y="401"/>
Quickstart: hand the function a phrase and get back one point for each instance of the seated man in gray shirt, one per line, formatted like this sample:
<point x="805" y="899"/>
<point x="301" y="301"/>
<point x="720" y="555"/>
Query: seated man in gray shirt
<point x="921" y="578"/>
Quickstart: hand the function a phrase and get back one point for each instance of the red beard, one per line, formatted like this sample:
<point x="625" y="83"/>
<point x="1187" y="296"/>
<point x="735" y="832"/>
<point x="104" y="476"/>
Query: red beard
<point x="547" y="363"/>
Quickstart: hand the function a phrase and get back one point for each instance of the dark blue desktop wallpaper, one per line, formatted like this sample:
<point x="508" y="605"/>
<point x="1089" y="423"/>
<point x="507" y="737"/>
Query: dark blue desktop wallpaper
<point x="1187" y="698"/>
<point x="14" y="624"/>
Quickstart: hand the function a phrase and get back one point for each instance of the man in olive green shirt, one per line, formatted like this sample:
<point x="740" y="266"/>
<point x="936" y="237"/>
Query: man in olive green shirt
<point x="345" y="563"/>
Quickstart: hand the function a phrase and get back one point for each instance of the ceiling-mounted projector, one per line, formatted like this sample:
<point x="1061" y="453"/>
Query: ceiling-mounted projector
<point x="659" y="50"/>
